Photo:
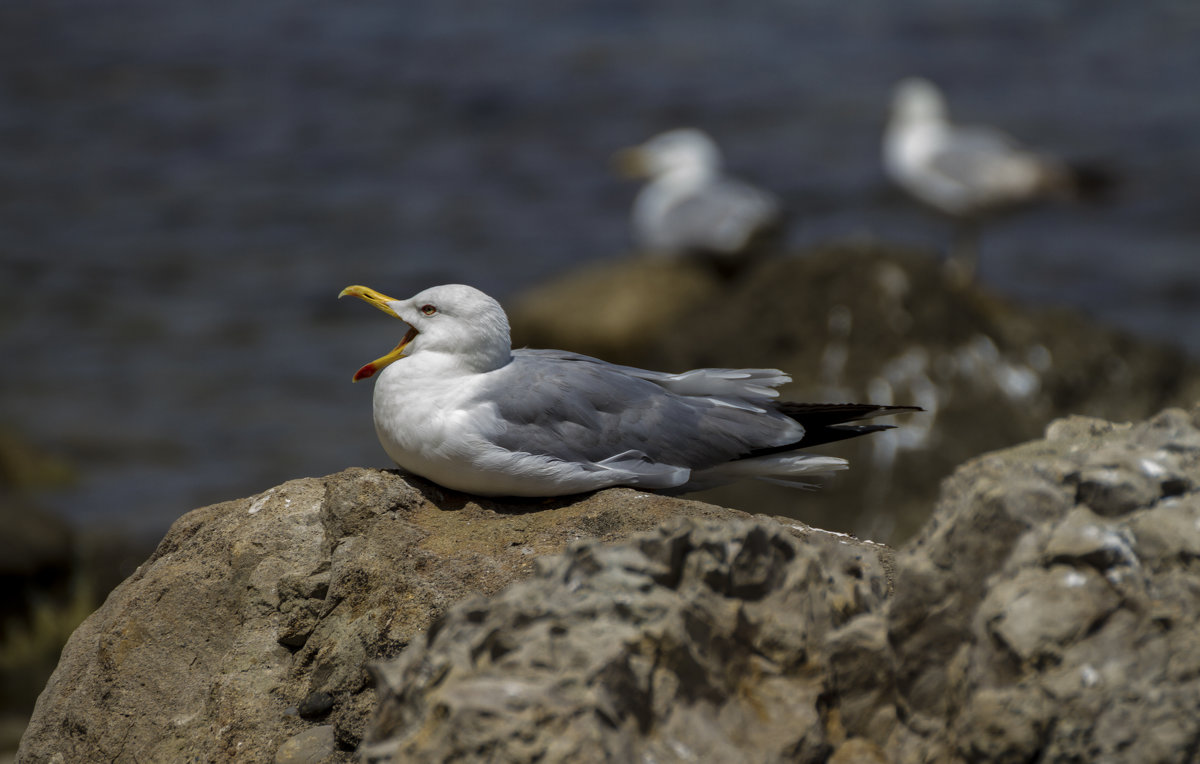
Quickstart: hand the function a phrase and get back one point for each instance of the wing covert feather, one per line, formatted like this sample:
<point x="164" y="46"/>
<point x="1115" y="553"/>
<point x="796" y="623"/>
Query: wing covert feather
<point x="578" y="408"/>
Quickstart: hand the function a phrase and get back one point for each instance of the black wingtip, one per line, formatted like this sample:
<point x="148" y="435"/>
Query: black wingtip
<point x="840" y="432"/>
<point x="827" y="422"/>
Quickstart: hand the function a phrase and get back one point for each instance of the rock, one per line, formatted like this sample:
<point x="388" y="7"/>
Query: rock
<point x="1039" y="610"/>
<point x="253" y="622"/>
<point x="1083" y="538"/>
<point x="314" y="745"/>
<point x="863" y="321"/>
<point x="699" y="642"/>
<point x="315" y="705"/>
<point x="1074" y="639"/>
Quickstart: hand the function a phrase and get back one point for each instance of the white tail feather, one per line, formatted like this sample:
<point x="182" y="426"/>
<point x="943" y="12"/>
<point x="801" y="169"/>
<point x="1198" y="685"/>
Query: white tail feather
<point x="790" y="469"/>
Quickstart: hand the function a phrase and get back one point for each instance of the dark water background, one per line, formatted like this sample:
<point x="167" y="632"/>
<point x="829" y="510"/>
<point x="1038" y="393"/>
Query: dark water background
<point x="185" y="186"/>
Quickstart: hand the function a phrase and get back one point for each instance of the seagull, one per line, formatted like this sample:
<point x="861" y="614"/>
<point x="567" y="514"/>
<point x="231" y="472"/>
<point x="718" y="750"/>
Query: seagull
<point x="689" y="207"/>
<point x="970" y="172"/>
<point x="455" y="404"/>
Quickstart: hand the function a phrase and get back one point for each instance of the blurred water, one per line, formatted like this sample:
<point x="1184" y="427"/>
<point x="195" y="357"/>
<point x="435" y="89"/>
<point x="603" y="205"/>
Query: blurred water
<point x="185" y="186"/>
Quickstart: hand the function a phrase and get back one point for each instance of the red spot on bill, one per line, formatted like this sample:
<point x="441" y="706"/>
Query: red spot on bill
<point x="366" y="371"/>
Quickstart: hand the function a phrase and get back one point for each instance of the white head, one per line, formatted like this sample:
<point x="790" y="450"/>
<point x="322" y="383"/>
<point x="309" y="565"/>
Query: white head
<point x="916" y="99"/>
<point x="455" y="320"/>
<point x="682" y="151"/>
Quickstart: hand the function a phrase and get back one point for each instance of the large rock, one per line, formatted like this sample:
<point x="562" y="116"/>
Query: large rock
<point x="1049" y="609"/>
<point x="863" y="321"/>
<point x="1047" y="613"/>
<point x="700" y="642"/>
<point x="246" y="636"/>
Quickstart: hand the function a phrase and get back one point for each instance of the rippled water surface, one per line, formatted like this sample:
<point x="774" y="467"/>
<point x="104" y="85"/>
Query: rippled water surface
<point x="185" y="186"/>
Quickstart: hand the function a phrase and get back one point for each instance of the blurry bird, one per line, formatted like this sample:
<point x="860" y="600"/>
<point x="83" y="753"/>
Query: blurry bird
<point x="690" y="208"/>
<point x="971" y="172"/>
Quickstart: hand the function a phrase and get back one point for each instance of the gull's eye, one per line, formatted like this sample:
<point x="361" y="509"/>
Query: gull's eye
<point x="428" y="310"/>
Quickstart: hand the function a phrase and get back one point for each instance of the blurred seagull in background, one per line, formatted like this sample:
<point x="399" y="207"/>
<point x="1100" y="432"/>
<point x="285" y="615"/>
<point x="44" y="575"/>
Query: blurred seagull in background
<point x="971" y="172"/>
<point x="455" y="404"/>
<point x="690" y="208"/>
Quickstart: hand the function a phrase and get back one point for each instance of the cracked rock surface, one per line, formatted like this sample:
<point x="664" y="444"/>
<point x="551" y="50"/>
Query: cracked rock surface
<point x="1049" y="610"/>
<point x="701" y="642"/>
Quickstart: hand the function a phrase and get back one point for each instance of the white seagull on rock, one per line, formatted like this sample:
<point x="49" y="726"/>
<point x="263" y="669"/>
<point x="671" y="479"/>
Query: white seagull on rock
<point x="454" y="403"/>
<point x="690" y="207"/>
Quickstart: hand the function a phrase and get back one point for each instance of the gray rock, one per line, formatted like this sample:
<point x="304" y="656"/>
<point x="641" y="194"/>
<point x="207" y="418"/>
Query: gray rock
<point x="1038" y="610"/>
<point x="700" y="642"/>
<point x="314" y="745"/>
<point x="1074" y="641"/>
<point x="254" y="620"/>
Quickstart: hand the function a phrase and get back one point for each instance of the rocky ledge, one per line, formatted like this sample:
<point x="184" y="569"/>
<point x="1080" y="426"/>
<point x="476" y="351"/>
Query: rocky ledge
<point x="1046" y="612"/>
<point x="247" y="634"/>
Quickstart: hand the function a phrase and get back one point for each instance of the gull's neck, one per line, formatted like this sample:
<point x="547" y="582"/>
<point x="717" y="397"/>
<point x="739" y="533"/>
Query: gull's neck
<point x="921" y="114"/>
<point x="475" y="358"/>
<point x="481" y="360"/>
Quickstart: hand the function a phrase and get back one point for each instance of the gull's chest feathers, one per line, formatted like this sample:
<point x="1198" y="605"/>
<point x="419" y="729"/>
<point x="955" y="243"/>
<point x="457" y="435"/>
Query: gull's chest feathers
<point x="912" y="147"/>
<point x="424" y="413"/>
<point x="661" y="195"/>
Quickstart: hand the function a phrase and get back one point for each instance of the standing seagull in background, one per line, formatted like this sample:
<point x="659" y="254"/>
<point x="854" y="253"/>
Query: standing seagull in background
<point x="455" y="404"/>
<point x="968" y="172"/>
<point x="689" y="207"/>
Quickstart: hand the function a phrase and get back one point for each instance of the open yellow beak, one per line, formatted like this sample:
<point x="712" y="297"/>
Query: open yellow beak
<point x="379" y="300"/>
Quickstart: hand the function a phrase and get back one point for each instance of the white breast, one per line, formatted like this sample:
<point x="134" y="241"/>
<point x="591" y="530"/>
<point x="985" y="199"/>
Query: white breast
<point x="422" y="420"/>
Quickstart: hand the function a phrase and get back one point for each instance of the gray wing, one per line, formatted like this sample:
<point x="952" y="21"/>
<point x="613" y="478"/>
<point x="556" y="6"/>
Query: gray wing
<point x="749" y="389"/>
<point x="579" y="409"/>
<point x="975" y="156"/>
<point x="724" y="216"/>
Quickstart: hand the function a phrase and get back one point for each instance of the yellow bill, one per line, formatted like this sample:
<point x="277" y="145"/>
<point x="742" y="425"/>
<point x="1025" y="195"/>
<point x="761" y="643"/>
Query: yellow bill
<point x="379" y="300"/>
